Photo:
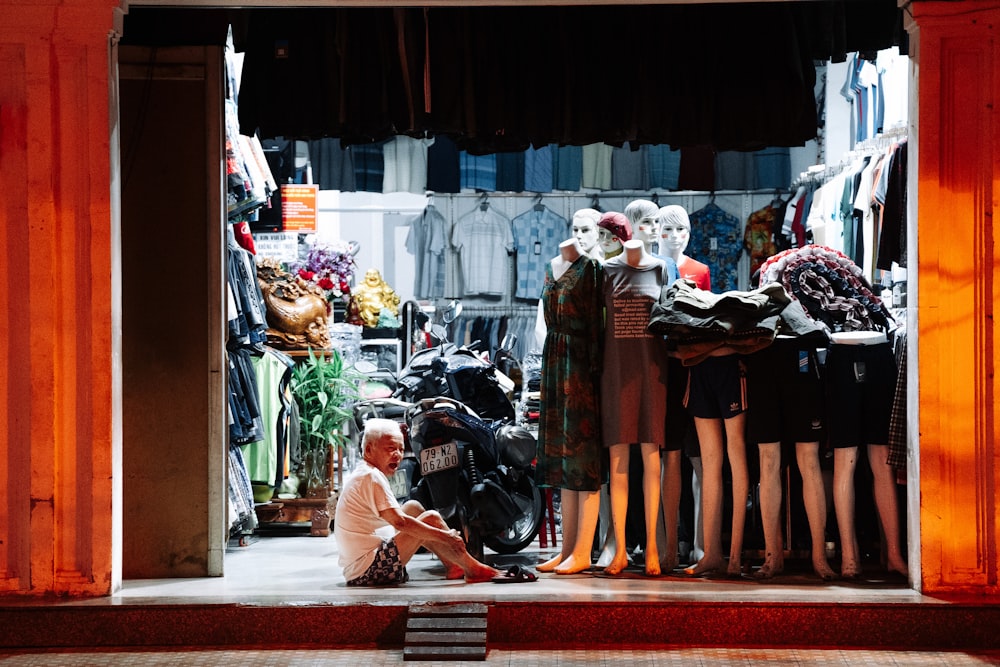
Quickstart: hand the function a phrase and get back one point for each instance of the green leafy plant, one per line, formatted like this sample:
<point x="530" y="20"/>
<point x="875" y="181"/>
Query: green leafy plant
<point x="324" y="388"/>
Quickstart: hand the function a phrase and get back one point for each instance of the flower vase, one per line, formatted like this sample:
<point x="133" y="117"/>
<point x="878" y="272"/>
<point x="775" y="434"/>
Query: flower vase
<point x="317" y="473"/>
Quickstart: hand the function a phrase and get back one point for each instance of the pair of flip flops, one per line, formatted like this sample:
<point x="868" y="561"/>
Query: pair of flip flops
<point x="515" y="574"/>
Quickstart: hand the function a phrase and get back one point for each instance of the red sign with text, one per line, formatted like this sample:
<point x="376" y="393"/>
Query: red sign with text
<point x="298" y="207"/>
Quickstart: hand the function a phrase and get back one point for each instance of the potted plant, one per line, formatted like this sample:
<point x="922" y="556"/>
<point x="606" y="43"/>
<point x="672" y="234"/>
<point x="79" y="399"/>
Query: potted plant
<point x="324" y="389"/>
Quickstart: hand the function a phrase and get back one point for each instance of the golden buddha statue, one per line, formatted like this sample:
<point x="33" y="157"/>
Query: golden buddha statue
<point x="372" y="296"/>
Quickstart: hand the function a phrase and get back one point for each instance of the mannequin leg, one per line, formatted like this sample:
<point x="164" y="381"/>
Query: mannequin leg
<point x="619" y="455"/>
<point x="670" y="498"/>
<point x="607" y="533"/>
<point x="651" y="504"/>
<point x="770" y="509"/>
<point x="845" y="459"/>
<point x="814" y="499"/>
<point x="568" y="514"/>
<point x="587" y="507"/>
<point x="737" y="449"/>
<point x="698" y="539"/>
<point x="710" y="438"/>
<point x="885" y="501"/>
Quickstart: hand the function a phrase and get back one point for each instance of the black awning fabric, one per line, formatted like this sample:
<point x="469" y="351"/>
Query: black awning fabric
<point x="729" y="76"/>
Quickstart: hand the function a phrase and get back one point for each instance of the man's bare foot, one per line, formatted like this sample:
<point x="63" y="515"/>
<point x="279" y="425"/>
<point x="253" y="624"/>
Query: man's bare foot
<point x="550" y="564"/>
<point x="572" y="565"/>
<point x="704" y="566"/>
<point x="454" y="572"/>
<point x="480" y="572"/>
<point x="770" y="568"/>
<point x="617" y="565"/>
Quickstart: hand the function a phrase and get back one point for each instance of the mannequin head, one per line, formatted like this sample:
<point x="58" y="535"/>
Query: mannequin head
<point x="614" y="230"/>
<point x="675" y="230"/>
<point x="642" y="214"/>
<point x="585" y="228"/>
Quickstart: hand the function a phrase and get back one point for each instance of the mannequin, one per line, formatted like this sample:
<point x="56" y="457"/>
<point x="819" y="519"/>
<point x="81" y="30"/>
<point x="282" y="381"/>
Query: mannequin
<point x="674" y="227"/>
<point x="675" y="231"/>
<point x="786" y="392"/>
<point x="614" y="229"/>
<point x="862" y="376"/>
<point x="569" y="445"/>
<point x="641" y="213"/>
<point x="633" y="391"/>
<point x="585" y="230"/>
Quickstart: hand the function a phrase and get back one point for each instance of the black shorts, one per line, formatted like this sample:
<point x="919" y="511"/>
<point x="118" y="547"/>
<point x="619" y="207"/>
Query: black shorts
<point x="386" y="570"/>
<point x="717" y="388"/>
<point x="861" y="383"/>
<point x="680" y="426"/>
<point x="786" y="393"/>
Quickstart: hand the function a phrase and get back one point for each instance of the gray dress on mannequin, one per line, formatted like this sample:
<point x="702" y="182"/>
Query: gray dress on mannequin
<point x="634" y="374"/>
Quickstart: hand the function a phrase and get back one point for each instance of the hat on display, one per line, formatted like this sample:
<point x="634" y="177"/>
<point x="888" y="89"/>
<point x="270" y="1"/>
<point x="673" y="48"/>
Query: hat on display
<point x="617" y="224"/>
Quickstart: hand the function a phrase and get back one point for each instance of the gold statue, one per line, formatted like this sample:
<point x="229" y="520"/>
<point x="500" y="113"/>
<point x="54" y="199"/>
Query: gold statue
<point x="372" y="295"/>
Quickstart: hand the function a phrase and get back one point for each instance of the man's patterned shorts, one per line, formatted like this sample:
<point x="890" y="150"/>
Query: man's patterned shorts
<point x="385" y="570"/>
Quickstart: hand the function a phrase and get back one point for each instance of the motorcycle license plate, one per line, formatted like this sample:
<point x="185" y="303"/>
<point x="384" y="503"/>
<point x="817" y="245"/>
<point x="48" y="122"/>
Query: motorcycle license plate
<point x="400" y="484"/>
<point x="436" y="459"/>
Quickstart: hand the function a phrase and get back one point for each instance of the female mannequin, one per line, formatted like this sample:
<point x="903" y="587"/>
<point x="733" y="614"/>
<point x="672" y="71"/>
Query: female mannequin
<point x="633" y="390"/>
<point x="862" y="376"/>
<point x="569" y="446"/>
<point x="613" y="230"/>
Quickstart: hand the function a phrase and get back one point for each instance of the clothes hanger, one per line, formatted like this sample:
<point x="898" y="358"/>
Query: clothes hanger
<point x="539" y="206"/>
<point x="595" y="203"/>
<point x="484" y="203"/>
<point x="655" y="198"/>
<point x="430" y="198"/>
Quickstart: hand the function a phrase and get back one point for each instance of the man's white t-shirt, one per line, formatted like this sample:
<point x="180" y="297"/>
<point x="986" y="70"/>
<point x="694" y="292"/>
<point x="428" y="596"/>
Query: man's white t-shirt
<point x="357" y="526"/>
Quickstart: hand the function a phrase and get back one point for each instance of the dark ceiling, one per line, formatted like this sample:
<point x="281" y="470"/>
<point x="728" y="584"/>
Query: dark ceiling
<point x="727" y="76"/>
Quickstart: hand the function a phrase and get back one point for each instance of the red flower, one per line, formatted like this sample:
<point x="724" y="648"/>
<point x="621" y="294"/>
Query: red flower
<point x="325" y="283"/>
<point x="306" y="275"/>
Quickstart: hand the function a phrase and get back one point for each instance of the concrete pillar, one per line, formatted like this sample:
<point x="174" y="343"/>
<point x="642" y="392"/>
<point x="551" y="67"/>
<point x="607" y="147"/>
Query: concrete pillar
<point x="954" y="173"/>
<point x="59" y="339"/>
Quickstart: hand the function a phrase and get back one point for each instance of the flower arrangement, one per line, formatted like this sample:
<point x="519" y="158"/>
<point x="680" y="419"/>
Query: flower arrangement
<point x="330" y="266"/>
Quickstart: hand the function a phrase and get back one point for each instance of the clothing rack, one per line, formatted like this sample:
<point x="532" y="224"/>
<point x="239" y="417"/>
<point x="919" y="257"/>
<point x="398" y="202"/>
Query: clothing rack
<point x="820" y="173"/>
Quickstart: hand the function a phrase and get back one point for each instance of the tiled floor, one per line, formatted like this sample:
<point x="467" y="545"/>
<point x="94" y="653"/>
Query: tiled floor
<point x="295" y="568"/>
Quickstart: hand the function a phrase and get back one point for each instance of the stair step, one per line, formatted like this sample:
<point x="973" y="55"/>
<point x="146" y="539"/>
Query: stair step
<point x="445" y="638"/>
<point x="445" y="632"/>
<point x="444" y="653"/>
<point x="447" y="623"/>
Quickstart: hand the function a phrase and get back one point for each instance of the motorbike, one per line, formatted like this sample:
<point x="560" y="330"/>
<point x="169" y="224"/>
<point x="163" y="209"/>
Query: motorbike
<point x="474" y="464"/>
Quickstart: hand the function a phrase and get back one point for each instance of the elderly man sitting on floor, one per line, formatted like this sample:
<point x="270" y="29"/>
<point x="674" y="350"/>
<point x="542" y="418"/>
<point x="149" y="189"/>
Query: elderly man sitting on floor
<point x="376" y="536"/>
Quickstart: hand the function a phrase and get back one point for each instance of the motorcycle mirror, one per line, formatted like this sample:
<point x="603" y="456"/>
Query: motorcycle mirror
<point x="452" y="311"/>
<point x="509" y="342"/>
<point x="365" y="366"/>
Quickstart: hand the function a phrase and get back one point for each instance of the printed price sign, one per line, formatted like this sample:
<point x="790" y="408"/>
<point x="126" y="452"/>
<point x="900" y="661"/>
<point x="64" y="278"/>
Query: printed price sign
<point x="298" y="207"/>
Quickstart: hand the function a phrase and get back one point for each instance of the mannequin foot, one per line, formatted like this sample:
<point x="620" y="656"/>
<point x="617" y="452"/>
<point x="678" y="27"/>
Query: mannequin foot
<point x="607" y="555"/>
<point x="652" y="562"/>
<point x="897" y="565"/>
<point x="695" y="555"/>
<point x="572" y="565"/>
<point x="704" y="566"/>
<point x="618" y="565"/>
<point x="850" y="570"/>
<point x="668" y="564"/>
<point x="735" y="568"/>
<point x="772" y="566"/>
<point x="550" y="564"/>
<point x="823" y="569"/>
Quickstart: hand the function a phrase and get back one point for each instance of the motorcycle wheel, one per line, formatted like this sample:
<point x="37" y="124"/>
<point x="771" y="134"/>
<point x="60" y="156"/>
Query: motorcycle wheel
<point x="524" y="528"/>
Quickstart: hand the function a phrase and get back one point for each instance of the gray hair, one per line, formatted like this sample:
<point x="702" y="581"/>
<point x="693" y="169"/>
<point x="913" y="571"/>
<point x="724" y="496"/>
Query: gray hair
<point x="378" y="429"/>
<point x="640" y="209"/>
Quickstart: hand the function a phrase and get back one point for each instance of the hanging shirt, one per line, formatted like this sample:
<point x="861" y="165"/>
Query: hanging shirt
<point x="484" y="240"/>
<point x="717" y="238"/>
<point x="629" y="168"/>
<point x="426" y="241"/>
<point x="537" y="235"/>
<point x="664" y="166"/>
<point x="596" y="166"/>
<point x="405" y="164"/>
<point x="567" y="168"/>
<point x="479" y="172"/>
<point x="538" y="169"/>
